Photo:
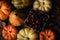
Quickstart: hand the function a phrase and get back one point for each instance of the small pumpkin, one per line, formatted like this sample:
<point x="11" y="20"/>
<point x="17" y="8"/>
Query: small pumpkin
<point x="26" y="34"/>
<point x="20" y="3"/>
<point x="43" y="5"/>
<point x="47" y="35"/>
<point x="5" y="9"/>
<point x="17" y="18"/>
<point x="9" y="32"/>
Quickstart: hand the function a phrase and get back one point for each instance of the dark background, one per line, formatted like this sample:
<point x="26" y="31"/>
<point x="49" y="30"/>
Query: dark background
<point x="54" y="21"/>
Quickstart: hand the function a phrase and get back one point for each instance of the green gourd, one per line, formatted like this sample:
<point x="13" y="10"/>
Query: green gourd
<point x="20" y="3"/>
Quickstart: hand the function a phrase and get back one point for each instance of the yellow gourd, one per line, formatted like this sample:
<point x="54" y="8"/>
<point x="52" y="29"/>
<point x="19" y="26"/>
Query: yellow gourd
<point x="43" y="5"/>
<point x="26" y="34"/>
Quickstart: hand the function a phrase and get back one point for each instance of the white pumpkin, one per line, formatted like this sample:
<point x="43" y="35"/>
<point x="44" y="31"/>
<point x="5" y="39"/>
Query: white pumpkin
<point x="43" y="5"/>
<point x="26" y="34"/>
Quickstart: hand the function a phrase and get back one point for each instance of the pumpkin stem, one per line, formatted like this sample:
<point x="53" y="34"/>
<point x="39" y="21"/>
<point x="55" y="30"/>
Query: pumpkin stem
<point x="43" y="3"/>
<point x="10" y="31"/>
<point x="48" y="36"/>
<point x="16" y="14"/>
<point x="27" y="38"/>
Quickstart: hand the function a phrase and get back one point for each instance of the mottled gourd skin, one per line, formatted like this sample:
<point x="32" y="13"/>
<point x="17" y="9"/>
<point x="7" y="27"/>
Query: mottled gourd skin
<point x="47" y="35"/>
<point x="26" y="34"/>
<point x="43" y="5"/>
<point x="19" y="4"/>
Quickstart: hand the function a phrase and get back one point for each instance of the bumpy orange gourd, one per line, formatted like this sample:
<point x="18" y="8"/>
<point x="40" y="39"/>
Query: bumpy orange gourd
<point x="27" y="34"/>
<point x="9" y="32"/>
<point x="16" y="18"/>
<point x="5" y="9"/>
<point x="47" y="35"/>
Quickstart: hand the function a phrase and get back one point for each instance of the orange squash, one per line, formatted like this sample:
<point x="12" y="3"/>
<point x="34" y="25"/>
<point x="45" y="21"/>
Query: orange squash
<point x="47" y="35"/>
<point x="16" y="18"/>
<point x="9" y="32"/>
<point x="5" y="9"/>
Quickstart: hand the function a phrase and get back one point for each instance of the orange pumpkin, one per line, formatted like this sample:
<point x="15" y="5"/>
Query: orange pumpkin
<point x="16" y="18"/>
<point x="47" y="35"/>
<point x="4" y="10"/>
<point x="9" y="32"/>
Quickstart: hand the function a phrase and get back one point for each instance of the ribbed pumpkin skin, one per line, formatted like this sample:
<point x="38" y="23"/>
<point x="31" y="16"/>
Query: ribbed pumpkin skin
<point x="43" y="5"/>
<point x="9" y="32"/>
<point x="26" y="34"/>
<point x="5" y="10"/>
<point x="20" y="3"/>
<point x="47" y="35"/>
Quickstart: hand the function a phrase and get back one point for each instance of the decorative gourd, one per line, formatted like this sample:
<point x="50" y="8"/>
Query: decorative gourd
<point x="20" y="3"/>
<point x="9" y="32"/>
<point x="43" y="5"/>
<point x="16" y="18"/>
<point x="26" y="34"/>
<point x="5" y="9"/>
<point x="47" y="35"/>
